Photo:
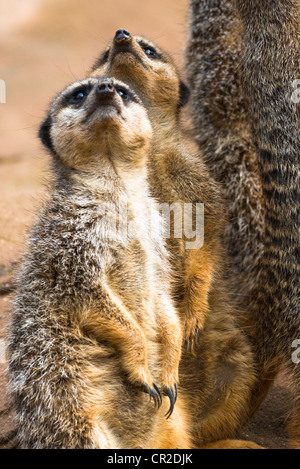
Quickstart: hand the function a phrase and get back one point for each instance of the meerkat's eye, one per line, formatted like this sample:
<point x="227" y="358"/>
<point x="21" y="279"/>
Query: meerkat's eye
<point x="78" y="96"/>
<point x="151" y="52"/>
<point x="124" y="95"/>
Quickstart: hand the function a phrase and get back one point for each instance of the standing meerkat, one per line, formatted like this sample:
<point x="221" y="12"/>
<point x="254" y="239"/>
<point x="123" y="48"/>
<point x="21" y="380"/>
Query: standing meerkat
<point x="270" y="68"/>
<point x="216" y="380"/>
<point x="93" y="326"/>
<point x="176" y="176"/>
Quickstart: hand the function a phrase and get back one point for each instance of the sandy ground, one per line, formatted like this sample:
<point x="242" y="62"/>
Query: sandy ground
<point x="44" y="45"/>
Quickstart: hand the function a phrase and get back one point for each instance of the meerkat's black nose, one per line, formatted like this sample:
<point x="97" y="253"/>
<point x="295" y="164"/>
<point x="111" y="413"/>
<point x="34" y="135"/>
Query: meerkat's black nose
<point x="122" y="36"/>
<point x="105" y="89"/>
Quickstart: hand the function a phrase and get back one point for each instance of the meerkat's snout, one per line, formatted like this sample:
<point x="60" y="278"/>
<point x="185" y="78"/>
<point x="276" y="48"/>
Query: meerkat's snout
<point x="125" y="44"/>
<point x="105" y="89"/>
<point x="122" y="36"/>
<point x="106" y="94"/>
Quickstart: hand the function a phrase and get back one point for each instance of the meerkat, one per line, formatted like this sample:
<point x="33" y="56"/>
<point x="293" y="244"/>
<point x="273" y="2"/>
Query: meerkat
<point x="175" y="174"/>
<point x="93" y="325"/>
<point x="270" y="67"/>
<point x="217" y="378"/>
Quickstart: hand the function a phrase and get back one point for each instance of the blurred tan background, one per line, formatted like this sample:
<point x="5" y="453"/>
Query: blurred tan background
<point x="45" y="45"/>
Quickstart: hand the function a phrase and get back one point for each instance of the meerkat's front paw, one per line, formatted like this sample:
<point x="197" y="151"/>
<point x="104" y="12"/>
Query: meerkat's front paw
<point x="143" y="380"/>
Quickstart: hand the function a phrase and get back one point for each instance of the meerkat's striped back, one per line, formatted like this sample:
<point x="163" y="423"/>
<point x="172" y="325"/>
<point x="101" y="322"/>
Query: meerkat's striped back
<point x="221" y="125"/>
<point x="270" y="66"/>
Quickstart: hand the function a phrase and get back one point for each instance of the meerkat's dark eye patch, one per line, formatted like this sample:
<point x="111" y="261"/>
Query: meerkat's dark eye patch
<point x="126" y="94"/>
<point x="184" y="94"/>
<point x="123" y="93"/>
<point x="150" y="50"/>
<point x="44" y="134"/>
<point x="78" y="96"/>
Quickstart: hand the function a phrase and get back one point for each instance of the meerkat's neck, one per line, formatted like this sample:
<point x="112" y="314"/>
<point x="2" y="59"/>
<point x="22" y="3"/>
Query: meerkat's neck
<point x="109" y="172"/>
<point x="166" y="143"/>
<point x="97" y="176"/>
<point x="166" y="129"/>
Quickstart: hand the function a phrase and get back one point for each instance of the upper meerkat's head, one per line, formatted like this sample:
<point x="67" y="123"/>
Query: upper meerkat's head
<point x="97" y="118"/>
<point x="148" y="70"/>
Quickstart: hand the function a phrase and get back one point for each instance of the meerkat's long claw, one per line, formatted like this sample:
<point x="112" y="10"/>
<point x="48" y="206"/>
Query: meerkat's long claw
<point x="159" y="394"/>
<point x="172" y="395"/>
<point x="154" y="394"/>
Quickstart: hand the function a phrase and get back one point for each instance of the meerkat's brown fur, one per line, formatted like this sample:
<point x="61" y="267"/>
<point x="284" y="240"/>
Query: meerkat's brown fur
<point x="222" y="131"/>
<point x="270" y="67"/>
<point x="93" y="324"/>
<point x="218" y="376"/>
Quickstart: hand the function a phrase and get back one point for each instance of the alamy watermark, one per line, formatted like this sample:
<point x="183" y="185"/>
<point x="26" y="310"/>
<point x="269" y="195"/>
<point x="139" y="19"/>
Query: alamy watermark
<point x="187" y="223"/>
<point x="296" y="94"/>
<point x="172" y="222"/>
<point x="2" y="352"/>
<point x="2" y="92"/>
<point x="296" y="354"/>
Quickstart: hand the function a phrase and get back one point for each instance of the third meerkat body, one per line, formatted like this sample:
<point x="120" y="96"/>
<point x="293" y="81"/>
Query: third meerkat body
<point x="270" y="67"/>
<point x="222" y="128"/>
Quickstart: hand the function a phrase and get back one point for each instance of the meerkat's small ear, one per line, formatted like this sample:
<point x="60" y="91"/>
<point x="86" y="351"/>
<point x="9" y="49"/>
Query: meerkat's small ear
<point x="44" y="134"/>
<point x="184" y="94"/>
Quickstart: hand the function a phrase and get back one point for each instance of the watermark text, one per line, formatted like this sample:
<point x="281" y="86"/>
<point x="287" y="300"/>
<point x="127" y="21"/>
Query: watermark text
<point x="2" y="92"/>
<point x="2" y="352"/>
<point x="184" y="221"/>
<point x="296" y="93"/>
<point x="296" y="354"/>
